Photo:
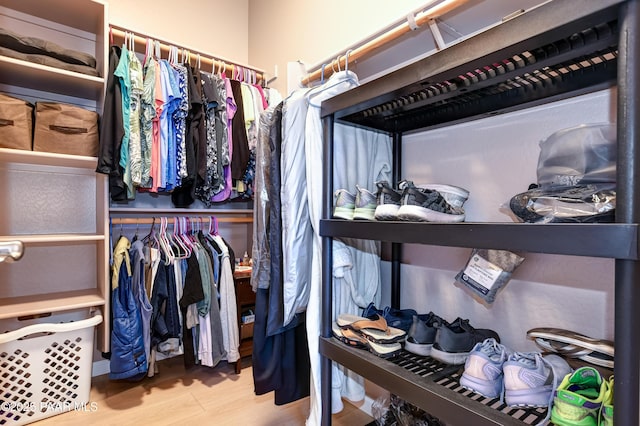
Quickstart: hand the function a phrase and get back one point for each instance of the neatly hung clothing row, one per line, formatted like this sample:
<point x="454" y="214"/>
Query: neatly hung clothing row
<point x="172" y="294"/>
<point x="287" y="246"/>
<point x="169" y="127"/>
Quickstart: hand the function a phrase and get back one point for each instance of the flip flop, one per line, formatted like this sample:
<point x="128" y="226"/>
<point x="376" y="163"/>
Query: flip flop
<point x="357" y="340"/>
<point x="349" y="337"/>
<point x="574" y="345"/>
<point x="358" y="323"/>
<point x="376" y="330"/>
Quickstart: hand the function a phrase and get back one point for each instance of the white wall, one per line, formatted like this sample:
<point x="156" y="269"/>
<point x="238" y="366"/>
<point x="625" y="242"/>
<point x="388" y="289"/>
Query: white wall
<point x="217" y="27"/>
<point x="310" y="31"/>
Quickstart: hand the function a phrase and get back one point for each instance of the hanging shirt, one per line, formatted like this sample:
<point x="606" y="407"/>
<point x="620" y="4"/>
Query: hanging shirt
<point x="138" y="283"/>
<point x="135" y="142"/>
<point x="180" y="117"/>
<point x="228" y="308"/>
<point x="158" y="160"/>
<point x="171" y="94"/>
<point x="205" y="189"/>
<point x="297" y="234"/>
<point x="147" y="115"/>
<point x="227" y="148"/>
<point x="122" y="72"/>
<point x="240" y="150"/>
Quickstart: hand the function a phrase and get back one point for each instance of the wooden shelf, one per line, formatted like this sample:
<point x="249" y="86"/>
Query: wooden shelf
<point x="53" y="238"/>
<point x="16" y="72"/>
<point x="37" y="158"/>
<point x="13" y="307"/>
<point x="81" y="14"/>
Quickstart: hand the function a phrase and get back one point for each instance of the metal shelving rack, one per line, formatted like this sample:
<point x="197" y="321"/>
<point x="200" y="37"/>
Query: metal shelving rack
<point x="555" y="51"/>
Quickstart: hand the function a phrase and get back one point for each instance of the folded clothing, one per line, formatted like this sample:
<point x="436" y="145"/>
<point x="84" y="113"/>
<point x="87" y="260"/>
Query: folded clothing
<point x="45" y="52"/>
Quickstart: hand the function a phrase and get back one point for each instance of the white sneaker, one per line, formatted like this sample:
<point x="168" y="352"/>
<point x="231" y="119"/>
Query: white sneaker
<point x="365" y="204"/>
<point x="345" y="204"/>
<point x="426" y="205"/>
<point x="530" y="379"/>
<point x="388" y="201"/>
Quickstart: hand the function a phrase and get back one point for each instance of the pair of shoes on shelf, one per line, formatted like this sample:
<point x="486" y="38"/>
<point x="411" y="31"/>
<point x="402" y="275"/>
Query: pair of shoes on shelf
<point x="371" y="333"/>
<point x="454" y="342"/>
<point x="361" y="205"/>
<point x="422" y="334"/>
<point x="584" y="398"/>
<point x="424" y="203"/>
<point x="398" y="318"/>
<point x="574" y="345"/>
<point x="523" y="379"/>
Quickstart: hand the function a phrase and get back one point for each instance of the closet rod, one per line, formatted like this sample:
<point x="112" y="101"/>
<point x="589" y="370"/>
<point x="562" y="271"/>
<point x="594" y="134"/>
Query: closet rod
<point x="119" y="34"/>
<point x="149" y="220"/>
<point x="387" y="37"/>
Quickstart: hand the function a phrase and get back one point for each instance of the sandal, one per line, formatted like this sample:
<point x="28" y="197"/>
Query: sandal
<point x="357" y="340"/>
<point x="358" y="323"/>
<point x="376" y="330"/>
<point x="574" y="345"/>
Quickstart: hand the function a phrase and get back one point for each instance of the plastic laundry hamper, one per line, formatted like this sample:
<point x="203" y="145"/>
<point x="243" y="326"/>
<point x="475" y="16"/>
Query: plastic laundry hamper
<point x="45" y="368"/>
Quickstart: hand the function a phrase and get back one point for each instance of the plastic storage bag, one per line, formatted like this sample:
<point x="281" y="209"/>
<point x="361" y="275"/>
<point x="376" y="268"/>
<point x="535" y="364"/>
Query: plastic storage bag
<point x="580" y="204"/>
<point x="487" y="271"/>
<point x="578" y="155"/>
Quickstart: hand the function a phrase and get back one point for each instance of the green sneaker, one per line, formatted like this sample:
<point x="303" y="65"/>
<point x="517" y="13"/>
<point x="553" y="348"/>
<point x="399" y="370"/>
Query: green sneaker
<point x="579" y="398"/>
<point x="607" y="405"/>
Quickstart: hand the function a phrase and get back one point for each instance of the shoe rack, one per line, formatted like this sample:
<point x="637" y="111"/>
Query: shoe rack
<point x="553" y="52"/>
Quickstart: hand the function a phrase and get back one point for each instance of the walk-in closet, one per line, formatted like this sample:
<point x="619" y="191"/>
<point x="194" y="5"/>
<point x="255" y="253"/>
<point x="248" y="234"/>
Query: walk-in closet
<point x="298" y="213"/>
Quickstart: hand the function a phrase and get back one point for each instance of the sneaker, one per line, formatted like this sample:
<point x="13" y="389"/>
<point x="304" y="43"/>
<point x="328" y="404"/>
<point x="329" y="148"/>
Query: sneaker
<point x="345" y="204"/>
<point x="483" y="369"/>
<point x="454" y="342"/>
<point x="454" y="195"/>
<point x="388" y="201"/>
<point x="579" y="398"/>
<point x="530" y="378"/>
<point x="607" y="405"/>
<point x="365" y="204"/>
<point x="422" y="334"/>
<point x="425" y="205"/>
<point x="398" y="318"/>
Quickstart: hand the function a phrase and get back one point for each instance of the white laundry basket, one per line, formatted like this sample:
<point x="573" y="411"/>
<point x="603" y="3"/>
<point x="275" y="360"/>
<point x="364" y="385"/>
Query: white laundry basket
<point x="45" y="367"/>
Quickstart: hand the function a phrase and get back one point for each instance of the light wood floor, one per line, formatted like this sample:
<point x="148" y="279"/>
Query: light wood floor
<point x="199" y="396"/>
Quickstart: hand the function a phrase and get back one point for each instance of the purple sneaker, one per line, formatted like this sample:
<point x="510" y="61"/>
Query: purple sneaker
<point x="483" y="369"/>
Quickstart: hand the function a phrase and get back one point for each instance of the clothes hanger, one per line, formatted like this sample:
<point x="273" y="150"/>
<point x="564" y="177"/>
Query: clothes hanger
<point x="135" y="236"/>
<point x="132" y="43"/>
<point x="158" y="52"/>
<point x="148" y="52"/>
<point x="165" y="246"/>
<point x="182" y="251"/>
<point x="349" y="77"/>
<point x="213" y="225"/>
<point x="185" y="234"/>
<point x="148" y="238"/>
